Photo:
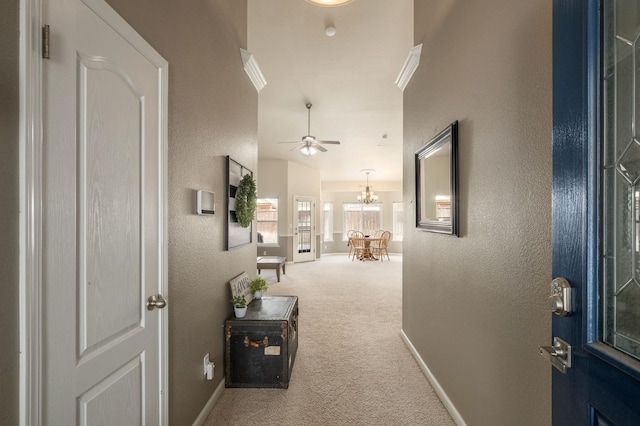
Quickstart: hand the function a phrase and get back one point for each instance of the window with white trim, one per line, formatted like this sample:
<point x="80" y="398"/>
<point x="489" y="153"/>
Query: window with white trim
<point x="398" y="221"/>
<point x="366" y="218"/>
<point x="267" y="220"/>
<point x="328" y="221"/>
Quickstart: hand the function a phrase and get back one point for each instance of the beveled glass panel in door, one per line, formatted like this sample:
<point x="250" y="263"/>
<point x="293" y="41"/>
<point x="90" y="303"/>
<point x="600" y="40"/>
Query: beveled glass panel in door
<point x="620" y="175"/>
<point x="304" y="226"/>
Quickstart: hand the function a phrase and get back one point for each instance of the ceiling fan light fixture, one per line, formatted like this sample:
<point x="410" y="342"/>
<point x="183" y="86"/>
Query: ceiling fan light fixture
<point x="308" y="150"/>
<point x="329" y="3"/>
<point x="310" y="145"/>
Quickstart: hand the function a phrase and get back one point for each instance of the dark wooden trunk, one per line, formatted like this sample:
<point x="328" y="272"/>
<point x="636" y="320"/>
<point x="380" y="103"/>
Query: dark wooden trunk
<point x="261" y="347"/>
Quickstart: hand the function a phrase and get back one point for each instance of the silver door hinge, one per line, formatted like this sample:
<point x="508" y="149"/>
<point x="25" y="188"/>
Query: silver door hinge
<point x="45" y="41"/>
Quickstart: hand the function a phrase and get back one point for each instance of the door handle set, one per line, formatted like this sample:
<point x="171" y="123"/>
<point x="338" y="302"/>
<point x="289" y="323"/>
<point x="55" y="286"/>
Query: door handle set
<point x="559" y="354"/>
<point x="156" y="301"/>
<point x="561" y="304"/>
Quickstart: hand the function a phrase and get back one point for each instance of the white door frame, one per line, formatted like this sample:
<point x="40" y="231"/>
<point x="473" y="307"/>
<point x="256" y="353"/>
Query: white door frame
<point x="30" y="157"/>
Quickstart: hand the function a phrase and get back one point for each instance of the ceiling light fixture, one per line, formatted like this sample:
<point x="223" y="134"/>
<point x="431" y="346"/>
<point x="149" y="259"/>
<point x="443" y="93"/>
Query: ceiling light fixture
<point x="308" y="150"/>
<point x="329" y="3"/>
<point x="367" y="196"/>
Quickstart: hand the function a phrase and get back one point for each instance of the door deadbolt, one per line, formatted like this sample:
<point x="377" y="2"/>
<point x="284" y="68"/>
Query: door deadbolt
<point x="561" y="299"/>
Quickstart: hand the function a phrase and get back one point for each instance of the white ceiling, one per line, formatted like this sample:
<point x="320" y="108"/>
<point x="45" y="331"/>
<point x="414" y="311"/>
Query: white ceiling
<point x="349" y="78"/>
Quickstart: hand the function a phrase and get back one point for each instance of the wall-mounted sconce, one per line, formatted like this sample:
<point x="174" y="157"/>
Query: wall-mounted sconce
<point x="205" y="202"/>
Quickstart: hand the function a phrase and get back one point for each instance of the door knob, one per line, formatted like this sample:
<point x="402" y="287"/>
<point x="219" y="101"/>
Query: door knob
<point x="156" y="301"/>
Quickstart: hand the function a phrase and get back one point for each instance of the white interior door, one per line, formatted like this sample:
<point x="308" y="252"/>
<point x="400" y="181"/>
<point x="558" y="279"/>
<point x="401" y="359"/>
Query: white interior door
<point x="304" y="229"/>
<point x="104" y="243"/>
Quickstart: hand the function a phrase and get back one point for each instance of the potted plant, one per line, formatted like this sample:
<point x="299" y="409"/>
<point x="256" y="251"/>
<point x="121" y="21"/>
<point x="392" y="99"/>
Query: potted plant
<point x="239" y="306"/>
<point x="258" y="286"/>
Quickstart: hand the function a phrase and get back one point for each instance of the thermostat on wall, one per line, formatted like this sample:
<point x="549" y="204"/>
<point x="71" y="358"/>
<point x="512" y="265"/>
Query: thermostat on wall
<point x="205" y="202"/>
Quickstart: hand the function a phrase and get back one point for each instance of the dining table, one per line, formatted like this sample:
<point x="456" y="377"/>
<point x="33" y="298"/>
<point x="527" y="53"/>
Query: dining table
<point x="367" y="253"/>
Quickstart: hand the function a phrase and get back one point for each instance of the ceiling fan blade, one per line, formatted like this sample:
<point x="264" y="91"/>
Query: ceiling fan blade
<point x="320" y="148"/>
<point x="296" y="147"/>
<point x="329" y="142"/>
<point x="290" y="142"/>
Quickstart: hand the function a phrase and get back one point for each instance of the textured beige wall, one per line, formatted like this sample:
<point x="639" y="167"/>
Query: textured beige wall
<point x="9" y="211"/>
<point x="475" y="306"/>
<point x="212" y="113"/>
<point x="272" y="182"/>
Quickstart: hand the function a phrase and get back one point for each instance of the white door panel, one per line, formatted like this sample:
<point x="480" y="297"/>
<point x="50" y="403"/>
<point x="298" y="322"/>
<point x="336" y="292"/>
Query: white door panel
<point x="121" y="389"/>
<point x="103" y="254"/>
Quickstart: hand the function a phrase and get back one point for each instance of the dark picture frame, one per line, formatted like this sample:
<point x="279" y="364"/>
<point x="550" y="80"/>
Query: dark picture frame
<point x="236" y="234"/>
<point x="436" y="173"/>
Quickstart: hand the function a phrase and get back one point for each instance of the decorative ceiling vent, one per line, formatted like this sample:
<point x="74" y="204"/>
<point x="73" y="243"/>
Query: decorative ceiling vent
<point x="409" y="67"/>
<point x="253" y="70"/>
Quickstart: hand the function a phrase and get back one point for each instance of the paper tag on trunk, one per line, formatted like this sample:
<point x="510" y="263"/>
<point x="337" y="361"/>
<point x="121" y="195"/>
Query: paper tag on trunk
<point x="272" y="350"/>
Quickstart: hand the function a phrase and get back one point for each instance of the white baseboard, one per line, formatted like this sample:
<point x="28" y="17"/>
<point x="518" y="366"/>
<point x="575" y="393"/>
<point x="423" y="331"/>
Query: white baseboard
<point x="209" y="405"/>
<point x="448" y="404"/>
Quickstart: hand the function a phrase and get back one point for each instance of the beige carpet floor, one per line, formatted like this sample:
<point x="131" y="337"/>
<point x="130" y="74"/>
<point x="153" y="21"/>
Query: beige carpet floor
<point x="352" y="366"/>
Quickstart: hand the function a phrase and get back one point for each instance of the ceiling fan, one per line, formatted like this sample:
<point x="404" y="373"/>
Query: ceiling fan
<point x="309" y="144"/>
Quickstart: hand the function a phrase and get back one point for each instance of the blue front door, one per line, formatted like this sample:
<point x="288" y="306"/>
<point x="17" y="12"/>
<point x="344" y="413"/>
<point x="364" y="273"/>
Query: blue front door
<point x="596" y="208"/>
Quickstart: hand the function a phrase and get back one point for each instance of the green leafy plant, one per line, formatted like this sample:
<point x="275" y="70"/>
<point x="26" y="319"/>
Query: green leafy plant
<point x="238" y="302"/>
<point x="246" y="200"/>
<point x="258" y="284"/>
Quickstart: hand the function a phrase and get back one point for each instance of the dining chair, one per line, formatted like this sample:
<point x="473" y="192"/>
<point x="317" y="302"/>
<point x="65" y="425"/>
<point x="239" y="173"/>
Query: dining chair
<point x="376" y="238"/>
<point x="349" y="235"/>
<point x="381" y="247"/>
<point x="358" y="244"/>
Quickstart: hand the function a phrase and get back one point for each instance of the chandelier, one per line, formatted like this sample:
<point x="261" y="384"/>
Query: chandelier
<point x="367" y="196"/>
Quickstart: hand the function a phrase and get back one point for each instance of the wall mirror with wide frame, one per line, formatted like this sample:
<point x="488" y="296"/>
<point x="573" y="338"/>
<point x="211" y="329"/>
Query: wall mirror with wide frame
<point x="437" y="183"/>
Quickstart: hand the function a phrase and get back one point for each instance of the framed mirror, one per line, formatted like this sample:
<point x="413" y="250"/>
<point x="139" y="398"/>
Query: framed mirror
<point x="437" y="183"/>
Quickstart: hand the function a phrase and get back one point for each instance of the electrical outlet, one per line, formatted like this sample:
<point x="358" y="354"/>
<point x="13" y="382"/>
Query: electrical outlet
<point x="206" y="363"/>
<point x="264" y="253"/>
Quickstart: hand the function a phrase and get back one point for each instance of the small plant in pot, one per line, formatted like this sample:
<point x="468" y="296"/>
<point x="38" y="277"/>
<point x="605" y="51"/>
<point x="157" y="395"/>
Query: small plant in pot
<point x="239" y="306"/>
<point x="258" y="286"/>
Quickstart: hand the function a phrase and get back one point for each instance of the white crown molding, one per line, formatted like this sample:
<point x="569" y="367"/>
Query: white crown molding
<point x="253" y="70"/>
<point x="409" y="67"/>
